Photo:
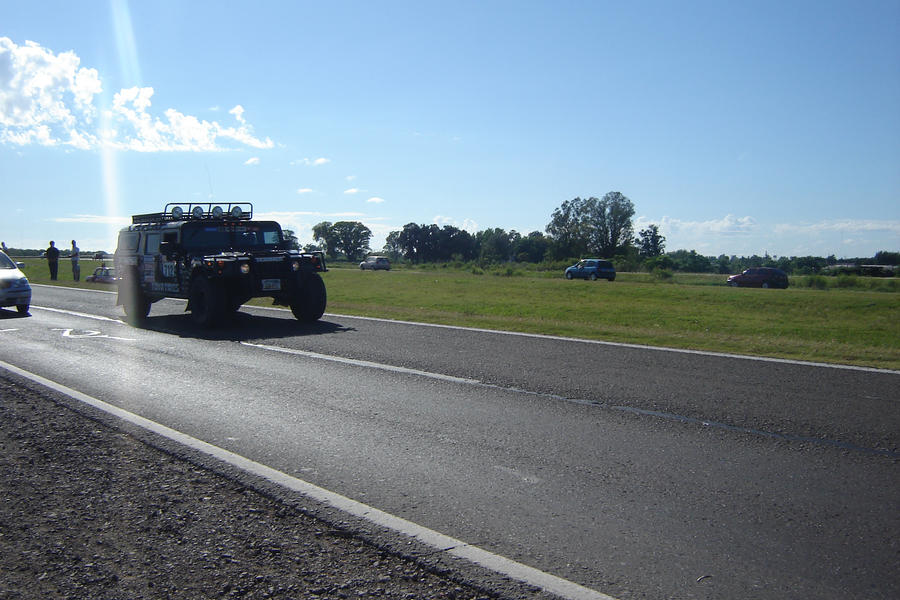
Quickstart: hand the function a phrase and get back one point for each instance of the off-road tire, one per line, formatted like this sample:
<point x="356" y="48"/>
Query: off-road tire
<point x="133" y="300"/>
<point x="309" y="304"/>
<point x="207" y="302"/>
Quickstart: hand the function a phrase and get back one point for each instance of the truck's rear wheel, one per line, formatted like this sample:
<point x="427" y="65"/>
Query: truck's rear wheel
<point x="309" y="304"/>
<point x="207" y="302"/>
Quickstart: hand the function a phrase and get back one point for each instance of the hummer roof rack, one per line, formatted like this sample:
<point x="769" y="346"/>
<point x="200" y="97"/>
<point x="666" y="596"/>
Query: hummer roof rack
<point x="188" y="211"/>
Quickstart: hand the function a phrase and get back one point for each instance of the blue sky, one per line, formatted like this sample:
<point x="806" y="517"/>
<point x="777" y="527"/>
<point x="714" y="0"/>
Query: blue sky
<point x="738" y="128"/>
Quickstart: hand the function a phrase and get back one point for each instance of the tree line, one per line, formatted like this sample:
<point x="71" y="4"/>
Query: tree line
<point x="597" y="227"/>
<point x="600" y="227"/>
<point x="581" y="227"/>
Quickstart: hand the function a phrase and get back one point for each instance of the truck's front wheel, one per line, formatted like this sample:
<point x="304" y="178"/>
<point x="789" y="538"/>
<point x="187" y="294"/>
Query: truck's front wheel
<point x="207" y="302"/>
<point x="309" y="304"/>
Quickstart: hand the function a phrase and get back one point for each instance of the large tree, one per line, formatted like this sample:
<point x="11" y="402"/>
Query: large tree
<point x="532" y="248"/>
<point x="392" y="245"/>
<point x="291" y="238"/>
<point x="597" y="226"/>
<point x="430" y="243"/>
<point x="410" y="243"/>
<point x="352" y="238"/>
<point x="322" y="233"/>
<point x="566" y="228"/>
<point x="348" y="237"/>
<point x="497" y="245"/>
<point x="610" y="226"/>
<point x="650" y="243"/>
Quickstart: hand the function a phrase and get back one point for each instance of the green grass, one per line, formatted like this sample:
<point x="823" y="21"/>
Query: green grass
<point x="846" y="325"/>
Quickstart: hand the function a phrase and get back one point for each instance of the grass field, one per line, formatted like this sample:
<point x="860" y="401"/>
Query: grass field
<point x="838" y="325"/>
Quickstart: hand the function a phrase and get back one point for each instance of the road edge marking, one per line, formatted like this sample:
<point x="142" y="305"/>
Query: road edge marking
<point x="439" y="541"/>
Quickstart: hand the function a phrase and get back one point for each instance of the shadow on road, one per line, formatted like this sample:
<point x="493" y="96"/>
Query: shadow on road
<point x="241" y="327"/>
<point x="12" y="314"/>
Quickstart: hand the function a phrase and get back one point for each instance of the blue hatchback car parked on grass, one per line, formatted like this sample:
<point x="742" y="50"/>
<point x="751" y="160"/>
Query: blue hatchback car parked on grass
<point x="593" y="269"/>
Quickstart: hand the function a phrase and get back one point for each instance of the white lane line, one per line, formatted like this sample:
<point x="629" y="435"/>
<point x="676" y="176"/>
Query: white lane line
<point x="541" y="336"/>
<point x="407" y="371"/>
<point x="439" y="541"/>
<point x="363" y="363"/>
<point x="80" y="314"/>
<point x="80" y="289"/>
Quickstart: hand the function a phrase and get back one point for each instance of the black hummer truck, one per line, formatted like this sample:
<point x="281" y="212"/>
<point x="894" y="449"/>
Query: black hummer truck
<point x="217" y="257"/>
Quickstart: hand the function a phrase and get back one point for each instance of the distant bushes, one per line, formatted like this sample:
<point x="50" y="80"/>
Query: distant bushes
<point x="816" y="282"/>
<point x="664" y="271"/>
<point x="663" y="275"/>
<point x="847" y="282"/>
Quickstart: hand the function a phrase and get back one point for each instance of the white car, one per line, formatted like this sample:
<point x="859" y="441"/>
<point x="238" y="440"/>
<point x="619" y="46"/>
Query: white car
<point x="376" y="263"/>
<point x="14" y="288"/>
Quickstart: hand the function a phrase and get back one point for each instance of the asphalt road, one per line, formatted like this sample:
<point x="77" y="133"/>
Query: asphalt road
<point x="633" y="471"/>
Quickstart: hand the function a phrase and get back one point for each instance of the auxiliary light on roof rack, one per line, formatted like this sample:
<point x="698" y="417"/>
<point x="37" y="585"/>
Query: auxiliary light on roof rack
<point x="188" y="211"/>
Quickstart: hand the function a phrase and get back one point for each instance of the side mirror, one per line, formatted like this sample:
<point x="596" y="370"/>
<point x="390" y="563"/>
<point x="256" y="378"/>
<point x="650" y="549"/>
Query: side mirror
<point x="20" y="265"/>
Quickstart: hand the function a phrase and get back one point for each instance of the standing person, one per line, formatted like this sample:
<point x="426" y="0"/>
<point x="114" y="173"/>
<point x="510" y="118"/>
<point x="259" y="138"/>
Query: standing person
<point x="76" y="268"/>
<point x="52" y="254"/>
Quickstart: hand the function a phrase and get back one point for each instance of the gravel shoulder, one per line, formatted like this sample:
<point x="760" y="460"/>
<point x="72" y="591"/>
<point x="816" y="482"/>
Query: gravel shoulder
<point x="93" y="508"/>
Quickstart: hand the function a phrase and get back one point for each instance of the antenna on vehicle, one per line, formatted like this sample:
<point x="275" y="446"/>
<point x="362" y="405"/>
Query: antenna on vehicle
<point x="209" y="179"/>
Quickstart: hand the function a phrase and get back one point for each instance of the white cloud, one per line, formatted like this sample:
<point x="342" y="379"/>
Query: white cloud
<point x="252" y="161"/>
<point x="352" y="191"/>
<point x="350" y="177"/>
<point x="727" y="225"/>
<point x="43" y="96"/>
<point x="297" y="214"/>
<point x="375" y="200"/>
<point x="466" y="224"/>
<point x="728" y="234"/>
<point x="238" y="112"/>
<point x="849" y="226"/>
<point x="94" y="220"/>
<point x="305" y="191"/>
<point x="49" y="99"/>
<point x="747" y="236"/>
<point x="311" y="162"/>
<point x="301" y="222"/>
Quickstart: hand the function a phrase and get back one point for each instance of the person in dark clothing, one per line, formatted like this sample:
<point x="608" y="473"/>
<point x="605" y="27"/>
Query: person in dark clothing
<point x="52" y="254"/>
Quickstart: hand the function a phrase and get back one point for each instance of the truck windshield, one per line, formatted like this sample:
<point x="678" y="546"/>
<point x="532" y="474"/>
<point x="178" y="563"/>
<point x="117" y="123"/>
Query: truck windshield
<point x="249" y="235"/>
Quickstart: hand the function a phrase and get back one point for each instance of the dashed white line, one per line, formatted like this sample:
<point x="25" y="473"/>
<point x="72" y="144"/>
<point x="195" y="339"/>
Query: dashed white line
<point x="80" y="314"/>
<point x="363" y="363"/>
